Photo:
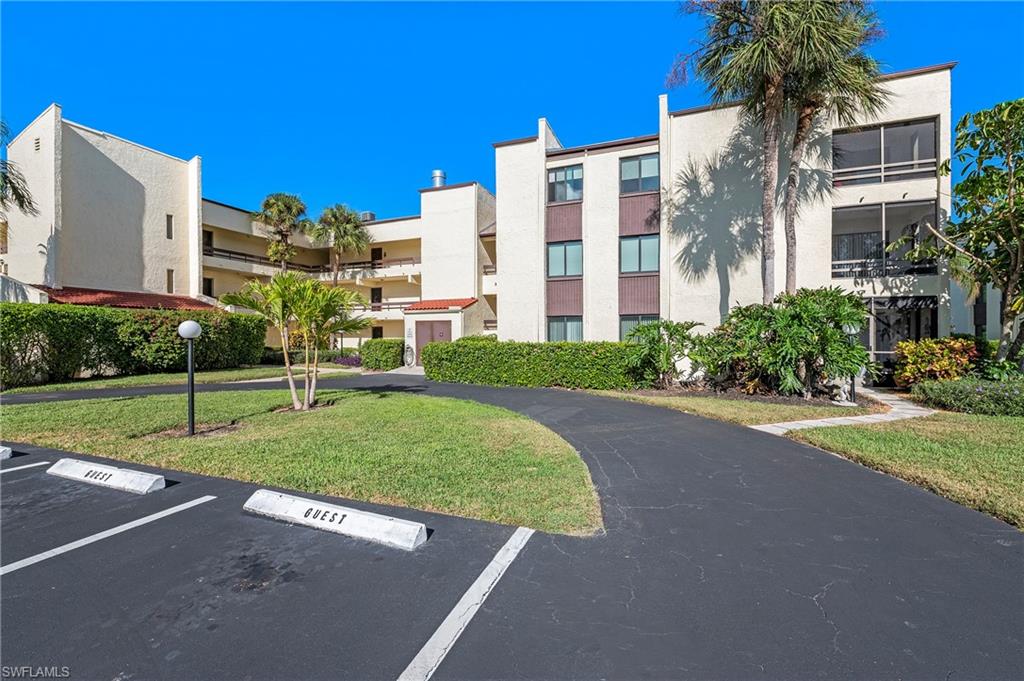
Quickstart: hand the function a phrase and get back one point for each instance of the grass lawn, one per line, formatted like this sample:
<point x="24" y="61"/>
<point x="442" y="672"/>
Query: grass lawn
<point x="977" y="461"/>
<point x="220" y="376"/>
<point x="741" y="411"/>
<point x="439" y="454"/>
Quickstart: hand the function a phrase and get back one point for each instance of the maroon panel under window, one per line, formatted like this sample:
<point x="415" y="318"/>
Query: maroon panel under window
<point x="565" y="297"/>
<point x="564" y="222"/>
<point x="639" y="294"/>
<point x="639" y="213"/>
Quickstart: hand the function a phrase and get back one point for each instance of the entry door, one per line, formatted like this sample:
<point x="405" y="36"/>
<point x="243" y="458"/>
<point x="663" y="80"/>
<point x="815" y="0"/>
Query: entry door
<point x="430" y="332"/>
<point x="376" y="255"/>
<point x="376" y="296"/>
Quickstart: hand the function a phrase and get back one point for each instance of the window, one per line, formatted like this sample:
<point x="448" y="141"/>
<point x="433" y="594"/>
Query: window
<point x="565" y="184"/>
<point x="628" y="322"/>
<point x="170" y="281"/>
<point x="638" y="253"/>
<point x="861" y="236"/>
<point x="377" y="332"/>
<point x="207" y="240"/>
<point x="565" y="259"/>
<point x="208" y="287"/>
<point x="887" y="153"/>
<point x="565" y="328"/>
<point x="638" y="174"/>
<point x="170" y="226"/>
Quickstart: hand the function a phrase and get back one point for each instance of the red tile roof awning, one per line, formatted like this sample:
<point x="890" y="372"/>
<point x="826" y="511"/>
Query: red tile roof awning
<point x="72" y="295"/>
<point x="441" y="304"/>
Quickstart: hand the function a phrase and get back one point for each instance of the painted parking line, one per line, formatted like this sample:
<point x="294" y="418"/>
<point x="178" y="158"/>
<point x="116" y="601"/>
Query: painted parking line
<point x="433" y="652"/>
<point x="21" y="468"/>
<point x="31" y="560"/>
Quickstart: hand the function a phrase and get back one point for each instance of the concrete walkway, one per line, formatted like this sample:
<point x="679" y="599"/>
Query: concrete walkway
<point x="899" y="409"/>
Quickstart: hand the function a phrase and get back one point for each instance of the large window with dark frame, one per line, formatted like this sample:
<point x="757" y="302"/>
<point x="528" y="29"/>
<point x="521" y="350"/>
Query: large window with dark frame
<point x="564" y="328"/>
<point x="638" y="174"/>
<point x="862" y="237"/>
<point x="565" y="184"/>
<point x="638" y="254"/>
<point x="884" y="153"/>
<point x="565" y="259"/>
<point x="628" y="322"/>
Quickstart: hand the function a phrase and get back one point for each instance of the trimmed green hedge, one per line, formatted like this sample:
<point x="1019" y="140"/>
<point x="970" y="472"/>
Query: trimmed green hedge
<point x="47" y="343"/>
<point x="382" y="354"/>
<point x="595" y="365"/>
<point x="275" y="356"/>
<point x="974" y="396"/>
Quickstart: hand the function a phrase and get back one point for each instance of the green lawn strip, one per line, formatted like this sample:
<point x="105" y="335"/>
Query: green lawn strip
<point x="977" y="461"/>
<point x="220" y="376"/>
<point x="741" y="411"/>
<point x="439" y="454"/>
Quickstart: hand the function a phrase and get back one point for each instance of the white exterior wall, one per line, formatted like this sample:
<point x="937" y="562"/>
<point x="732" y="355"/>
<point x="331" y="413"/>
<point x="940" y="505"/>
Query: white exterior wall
<point x="34" y="240"/>
<point x="449" y="241"/>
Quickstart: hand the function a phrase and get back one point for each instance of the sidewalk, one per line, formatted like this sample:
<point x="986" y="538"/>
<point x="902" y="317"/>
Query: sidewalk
<point x="899" y="409"/>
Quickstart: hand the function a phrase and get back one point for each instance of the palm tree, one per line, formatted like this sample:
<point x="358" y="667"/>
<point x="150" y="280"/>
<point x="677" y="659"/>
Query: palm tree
<point x="274" y="301"/>
<point x="747" y="53"/>
<point x="13" y="188"/>
<point x="833" y="88"/>
<point x="282" y="215"/>
<point x="340" y="228"/>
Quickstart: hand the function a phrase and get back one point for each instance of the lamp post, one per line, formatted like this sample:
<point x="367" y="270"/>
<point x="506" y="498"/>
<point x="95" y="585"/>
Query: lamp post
<point x="851" y="331"/>
<point x="190" y="330"/>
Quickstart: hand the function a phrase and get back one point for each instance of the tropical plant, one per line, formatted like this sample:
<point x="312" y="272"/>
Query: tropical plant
<point x="797" y="345"/>
<point x="933" y="359"/>
<point x="658" y="349"/>
<point x="13" y="187"/>
<point x="273" y="301"/>
<point x="340" y="228"/>
<point x="822" y="84"/>
<point x="282" y="216"/>
<point x="984" y="244"/>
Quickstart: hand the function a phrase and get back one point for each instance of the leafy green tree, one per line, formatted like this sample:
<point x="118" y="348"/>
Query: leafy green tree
<point x="340" y="228"/>
<point x="282" y="216"/>
<point x="274" y="301"/>
<point x="984" y="242"/>
<point x="13" y="187"/>
<point x="658" y="349"/>
<point x="820" y="85"/>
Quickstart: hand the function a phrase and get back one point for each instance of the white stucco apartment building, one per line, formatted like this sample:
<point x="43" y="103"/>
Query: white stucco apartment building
<point x="591" y="240"/>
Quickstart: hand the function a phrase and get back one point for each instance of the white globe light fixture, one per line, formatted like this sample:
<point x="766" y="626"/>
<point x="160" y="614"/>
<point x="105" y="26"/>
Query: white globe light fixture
<point x="190" y="330"/>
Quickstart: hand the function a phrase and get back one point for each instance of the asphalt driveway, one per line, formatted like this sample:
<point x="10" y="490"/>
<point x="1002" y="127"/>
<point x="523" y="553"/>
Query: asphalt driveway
<point x="729" y="554"/>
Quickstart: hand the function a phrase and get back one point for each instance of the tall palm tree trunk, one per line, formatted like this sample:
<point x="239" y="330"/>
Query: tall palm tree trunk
<point x="800" y="140"/>
<point x="288" y="367"/>
<point x="770" y="176"/>
<point x="335" y="266"/>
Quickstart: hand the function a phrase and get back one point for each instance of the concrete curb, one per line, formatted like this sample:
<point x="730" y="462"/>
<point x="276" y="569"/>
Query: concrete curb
<point x="899" y="409"/>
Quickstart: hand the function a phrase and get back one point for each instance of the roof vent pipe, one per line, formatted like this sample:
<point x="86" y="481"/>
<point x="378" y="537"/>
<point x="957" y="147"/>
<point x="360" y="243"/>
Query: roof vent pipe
<point x="438" y="178"/>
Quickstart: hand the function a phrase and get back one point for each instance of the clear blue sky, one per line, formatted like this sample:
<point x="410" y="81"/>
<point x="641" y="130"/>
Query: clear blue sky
<point x="357" y="103"/>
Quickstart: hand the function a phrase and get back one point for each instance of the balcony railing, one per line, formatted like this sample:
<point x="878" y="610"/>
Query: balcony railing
<point x="490" y="325"/>
<point x="311" y="269"/>
<point x="888" y="172"/>
<point x="490" y="269"/>
<point x="389" y="305"/>
<point x="879" y="267"/>
<point x="377" y="264"/>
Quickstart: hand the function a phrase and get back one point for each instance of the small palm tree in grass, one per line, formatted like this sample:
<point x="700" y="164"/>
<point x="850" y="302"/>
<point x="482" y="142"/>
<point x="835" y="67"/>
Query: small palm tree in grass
<point x="321" y="312"/>
<point x="274" y="302"/>
<point x="340" y="228"/>
<point x="282" y="216"/>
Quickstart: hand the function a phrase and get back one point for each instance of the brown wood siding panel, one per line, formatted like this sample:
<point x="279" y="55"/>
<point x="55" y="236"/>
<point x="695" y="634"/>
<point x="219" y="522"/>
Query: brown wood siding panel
<point x="565" y="297"/>
<point x="564" y="222"/>
<point x="639" y="214"/>
<point x="640" y="295"/>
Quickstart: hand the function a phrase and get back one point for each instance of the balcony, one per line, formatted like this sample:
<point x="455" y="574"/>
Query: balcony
<point x="384" y="311"/>
<point x="862" y="255"/>
<point x="489" y="280"/>
<point x="252" y="263"/>
<point x="376" y="270"/>
<point x="490" y="325"/>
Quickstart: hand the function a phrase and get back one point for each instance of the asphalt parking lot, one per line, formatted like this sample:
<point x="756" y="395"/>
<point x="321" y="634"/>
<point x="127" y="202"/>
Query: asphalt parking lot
<point x="207" y="591"/>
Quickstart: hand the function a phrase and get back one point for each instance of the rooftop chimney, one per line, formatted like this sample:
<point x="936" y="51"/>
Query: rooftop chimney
<point x="438" y="178"/>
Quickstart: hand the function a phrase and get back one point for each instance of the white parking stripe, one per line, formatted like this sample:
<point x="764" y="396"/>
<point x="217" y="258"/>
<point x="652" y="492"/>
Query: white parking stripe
<point x="31" y="560"/>
<point x="433" y="652"/>
<point x="19" y="468"/>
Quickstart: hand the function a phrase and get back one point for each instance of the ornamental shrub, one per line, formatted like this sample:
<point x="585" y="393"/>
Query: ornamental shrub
<point x="933" y="359"/>
<point x="795" y="345"/>
<point x="47" y="343"/>
<point x="275" y="356"/>
<point x="974" y="396"/>
<point x="658" y="348"/>
<point x="595" y="365"/>
<point x="348" y="360"/>
<point x="382" y="354"/>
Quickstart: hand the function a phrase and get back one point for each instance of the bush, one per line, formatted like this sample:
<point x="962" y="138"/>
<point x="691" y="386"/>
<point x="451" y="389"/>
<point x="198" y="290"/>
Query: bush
<point x="596" y="365"/>
<point x="275" y="356"/>
<point x="382" y="354"/>
<point x="658" y="348"/>
<point x="348" y="360"/>
<point x="933" y="359"/>
<point x="974" y="396"/>
<point x="47" y="343"/>
<point x="794" y="345"/>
